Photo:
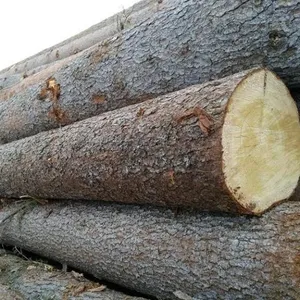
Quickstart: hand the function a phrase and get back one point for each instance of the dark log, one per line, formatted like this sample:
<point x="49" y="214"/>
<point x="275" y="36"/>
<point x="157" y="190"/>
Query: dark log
<point x="187" y="43"/>
<point x="230" y="145"/>
<point x="113" y="25"/>
<point x="22" y="279"/>
<point x="156" y="252"/>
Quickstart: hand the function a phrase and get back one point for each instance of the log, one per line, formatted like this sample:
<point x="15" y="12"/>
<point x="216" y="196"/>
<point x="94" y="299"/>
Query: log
<point x="107" y="28"/>
<point x="229" y="145"/>
<point x="182" y="45"/>
<point x="154" y="251"/>
<point x="25" y="279"/>
<point x="9" y="81"/>
<point x="7" y="294"/>
<point x="61" y="54"/>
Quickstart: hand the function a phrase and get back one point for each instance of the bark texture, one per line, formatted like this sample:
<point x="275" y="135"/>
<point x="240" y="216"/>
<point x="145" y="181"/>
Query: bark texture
<point x="142" y="153"/>
<point x="21" y="279"/>
<point x="184" y="44"/>
<point x="8" y="81"/>
<point x="153" y="251"/>
<point x="101" y="31"/>
<point x="7" y="294"/>
<point x="171" y="155"/>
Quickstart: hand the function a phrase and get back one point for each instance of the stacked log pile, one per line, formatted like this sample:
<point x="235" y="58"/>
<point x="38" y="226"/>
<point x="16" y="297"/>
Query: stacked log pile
<point x="176" y="47"/>
<point x="171" y="138"/>
<point x="61" y="52"/>
<point x="24" y="279"/>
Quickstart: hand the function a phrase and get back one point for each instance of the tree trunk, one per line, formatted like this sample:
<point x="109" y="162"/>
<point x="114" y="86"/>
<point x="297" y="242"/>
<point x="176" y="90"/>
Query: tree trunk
<point x="181" y="45"/>
<point x="9" y="81"/>
<point x="190" y="148"/>
<point x="21" y="279"/>
<point x="153" y="251"/>
<point x="115" y="24"/>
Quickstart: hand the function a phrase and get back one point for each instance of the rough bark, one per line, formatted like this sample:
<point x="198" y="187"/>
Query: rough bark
<point x="135" y="154"/>
<point x="21" y="279"/>
<point x="159" y="253"/>
<point x="8" y="81"/>
<point x="153" y="152"/>
<point x="182" y="45"/>
<point x="101" y="31"/>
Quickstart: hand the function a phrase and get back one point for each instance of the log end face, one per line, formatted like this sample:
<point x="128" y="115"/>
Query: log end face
<point x="261" y="142"/>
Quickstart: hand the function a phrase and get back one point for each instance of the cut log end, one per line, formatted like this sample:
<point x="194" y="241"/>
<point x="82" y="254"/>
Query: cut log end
<point x="261" y="142"/>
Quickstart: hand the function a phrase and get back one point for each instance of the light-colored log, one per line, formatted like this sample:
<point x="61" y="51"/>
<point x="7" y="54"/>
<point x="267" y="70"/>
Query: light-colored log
<point x="109" y="27"/>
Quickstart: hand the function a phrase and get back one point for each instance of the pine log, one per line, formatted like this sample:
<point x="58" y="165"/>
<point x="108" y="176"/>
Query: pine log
<point x="7" y="294"/>
<point x="8" y="81"/>
<point x="57" y="56"/>
<point x="188" y="43"/>
<point x="231" y="145"/>
<point x="123" y="20"/>
<point x="21" y="280"/>
<point x="153" y="251"/>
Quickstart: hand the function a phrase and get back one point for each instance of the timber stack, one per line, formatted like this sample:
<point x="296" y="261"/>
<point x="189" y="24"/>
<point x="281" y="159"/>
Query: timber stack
<point x="154" y="153"/>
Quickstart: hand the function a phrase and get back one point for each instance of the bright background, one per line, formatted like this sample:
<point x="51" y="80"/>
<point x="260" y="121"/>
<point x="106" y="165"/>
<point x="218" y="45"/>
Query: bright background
<point x="27" y="27"/>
